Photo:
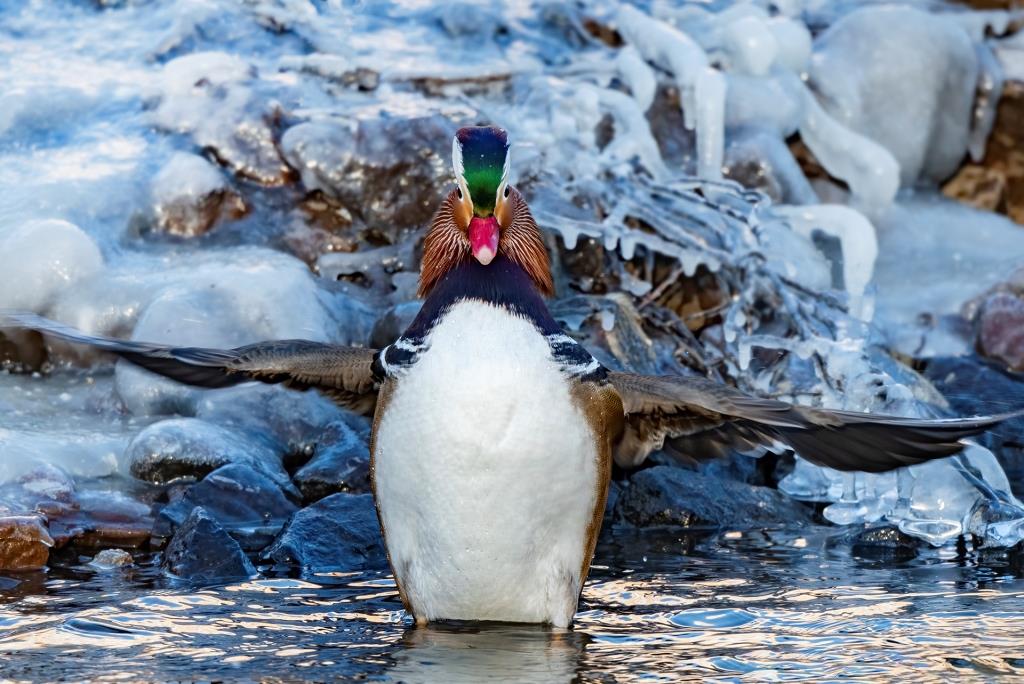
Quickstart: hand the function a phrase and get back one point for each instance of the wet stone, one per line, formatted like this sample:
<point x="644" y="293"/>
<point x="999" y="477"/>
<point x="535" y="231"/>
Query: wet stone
<point x="667" y="495"/>
<point x="110" y="559"/>
<point x="884" y="543"/>
<point x="1001" y="330"/>
<point x="102" y="518"/>
<point x="339" y="532"/>
<point x="340" y="463"/>
<point x="188" y="448"/>
<point x="24" y="543"/>
<point x="203" y="551"/>
<point x="250" y="506"/>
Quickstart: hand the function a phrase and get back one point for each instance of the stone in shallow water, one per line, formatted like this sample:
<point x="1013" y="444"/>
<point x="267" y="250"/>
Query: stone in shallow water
<point x="885" y="543"/>
<point x="102" y="518"/>
<point x="109" y="559"/>
<point x="24" y="543"/>
<point x="666" y="495"/>
<point x="188" y="448"/>
<point x="340" y="532"/>
<point x="202" y="551"/>
<point x="250" y="506"/>
<point x="341" y="463"/>
<point x="1001" y="330"/>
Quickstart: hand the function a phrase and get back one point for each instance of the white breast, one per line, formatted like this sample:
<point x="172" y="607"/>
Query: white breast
<point x="486" y="474"/>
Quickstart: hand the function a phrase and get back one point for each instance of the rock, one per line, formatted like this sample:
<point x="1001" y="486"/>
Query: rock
<point x="884" y="543"/>
<point x="24" y="543"/>
<point x="997" y="182"/>
<point x="102" y="518"/>
<point x="340" y="463"/>
<point x="860" y="70"/>
<point x="111" y="559"/>
<point x="338" y="532"/>
<point x="390" y="173"/>
<point x="667" y="495"/>
<point x="210" y="96"/>
<point x="1001" y="330"/>
<point x="40" y="259"/>
<point x="189" y="448"/>
<point x="190" y="195"/>
<point x="246" y="503"/>
<point x="202" y="551"/>
<point x="973" y="387"/>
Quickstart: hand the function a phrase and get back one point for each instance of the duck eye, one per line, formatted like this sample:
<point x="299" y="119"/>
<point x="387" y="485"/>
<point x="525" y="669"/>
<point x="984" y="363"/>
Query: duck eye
<point x="506" y="192"/>
<point x="459" y="190"/>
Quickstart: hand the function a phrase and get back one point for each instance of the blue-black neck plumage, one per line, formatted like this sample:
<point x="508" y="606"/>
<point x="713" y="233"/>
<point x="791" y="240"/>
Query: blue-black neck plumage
<point x="502" y="283"/>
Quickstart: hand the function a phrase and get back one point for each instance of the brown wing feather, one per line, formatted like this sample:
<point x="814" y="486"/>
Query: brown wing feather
<point x="343" y="373"/>
<point x="714" y="418"/>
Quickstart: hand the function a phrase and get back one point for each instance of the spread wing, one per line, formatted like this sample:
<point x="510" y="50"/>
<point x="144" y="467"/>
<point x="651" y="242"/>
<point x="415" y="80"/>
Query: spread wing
<point x="713" y="418"/>
<point x="343" y="373"/>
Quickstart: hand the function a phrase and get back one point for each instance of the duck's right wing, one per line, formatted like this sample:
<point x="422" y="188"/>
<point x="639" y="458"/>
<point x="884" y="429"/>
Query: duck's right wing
<point x="345" y="374"/>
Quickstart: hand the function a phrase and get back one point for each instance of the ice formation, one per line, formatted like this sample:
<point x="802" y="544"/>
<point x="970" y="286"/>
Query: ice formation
<point x="625" y="121"/>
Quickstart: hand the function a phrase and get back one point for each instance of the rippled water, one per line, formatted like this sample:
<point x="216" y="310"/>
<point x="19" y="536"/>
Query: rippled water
<point x="659" y="607"/>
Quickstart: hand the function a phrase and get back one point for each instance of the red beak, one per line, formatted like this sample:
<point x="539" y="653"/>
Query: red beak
<point x="483" y="238"/>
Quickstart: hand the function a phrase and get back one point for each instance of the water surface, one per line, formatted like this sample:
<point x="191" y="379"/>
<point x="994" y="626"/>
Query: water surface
<point x="660" y="606"/>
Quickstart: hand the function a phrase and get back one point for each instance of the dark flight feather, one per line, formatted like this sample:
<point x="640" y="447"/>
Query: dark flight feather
<point x="343" y="373"/>
<point x="712" y="418"/>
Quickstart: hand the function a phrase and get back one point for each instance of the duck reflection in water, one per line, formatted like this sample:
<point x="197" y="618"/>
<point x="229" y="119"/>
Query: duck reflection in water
<point x="467" y="652"/>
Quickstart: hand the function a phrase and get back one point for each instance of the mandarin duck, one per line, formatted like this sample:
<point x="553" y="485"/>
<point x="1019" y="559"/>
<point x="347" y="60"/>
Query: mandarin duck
<point x="494" y="432"/>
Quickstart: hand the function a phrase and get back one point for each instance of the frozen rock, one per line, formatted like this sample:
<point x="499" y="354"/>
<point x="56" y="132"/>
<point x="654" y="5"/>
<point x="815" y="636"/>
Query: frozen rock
<point x="228" y="299"/>
<point x="40" y="259"/>
<point x="861" y="69"/>
<point x="340" y="463"/>
<point x="389" y="172"/>
<point x="250" y="506"/>
<point x="1001" y="330"/>
<point x="24" y="543"/>
<point x="210" y="96"/>
<point x="102" y="518"/>
<point x="190" y="195"/>
<point x="340" y="532"/>
<point x="111" y="559"/>
<point x="957" y="253"/>
<point x="666" y="495"/>
<point x="189" y="448"/>
<point x="973" y="387"/>
<point x="292" y="422"/>
<point x="202" y="551"/>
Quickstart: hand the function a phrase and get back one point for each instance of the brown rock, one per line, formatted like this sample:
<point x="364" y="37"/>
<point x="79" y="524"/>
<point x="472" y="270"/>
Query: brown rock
<point x="24" y="543"/>
<point x="1001" y="330"/>
<point x="997" y="183"/>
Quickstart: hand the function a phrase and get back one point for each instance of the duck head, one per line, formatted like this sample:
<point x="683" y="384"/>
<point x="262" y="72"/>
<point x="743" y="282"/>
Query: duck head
<point x="483" y="217"/>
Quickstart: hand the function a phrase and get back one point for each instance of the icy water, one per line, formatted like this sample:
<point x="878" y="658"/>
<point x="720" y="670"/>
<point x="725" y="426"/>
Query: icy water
<point x="659" y="607"/>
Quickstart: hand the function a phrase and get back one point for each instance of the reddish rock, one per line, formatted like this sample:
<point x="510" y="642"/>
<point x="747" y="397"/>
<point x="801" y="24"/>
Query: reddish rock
<point x="24" y="543"/>
<point x="1001" y="330"/>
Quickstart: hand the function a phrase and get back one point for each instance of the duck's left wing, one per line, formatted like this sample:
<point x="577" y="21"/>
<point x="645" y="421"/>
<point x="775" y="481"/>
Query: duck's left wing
<point x="343" y="373"/>
<point x="714" y="417"/>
